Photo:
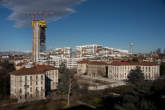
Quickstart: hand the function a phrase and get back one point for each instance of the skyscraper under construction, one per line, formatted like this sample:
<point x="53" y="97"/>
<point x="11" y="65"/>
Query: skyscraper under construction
<point x="39" y="38"/>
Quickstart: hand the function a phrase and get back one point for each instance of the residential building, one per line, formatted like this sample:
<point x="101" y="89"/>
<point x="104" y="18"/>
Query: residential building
<point x="120" y="70"/>
<point x="87" y="50"/>
<point x="92" y="68"/>
<point x="34" y="83"/>
<point x="65" y="52"/>
<point x="112" y="52"/>
<point x="71" y="63"/>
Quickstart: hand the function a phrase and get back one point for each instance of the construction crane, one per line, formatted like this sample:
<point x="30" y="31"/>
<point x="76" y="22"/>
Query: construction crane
<point x="42" y="15"/>
<point x="39" y="32"/>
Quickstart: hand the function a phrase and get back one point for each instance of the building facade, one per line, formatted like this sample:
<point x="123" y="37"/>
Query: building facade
<point x="33" y="83"/>
<point x="87" y="50"/>
<point x="92" y="68"/>
<point x="65" y="52"/>
<point x="120" y="70"/>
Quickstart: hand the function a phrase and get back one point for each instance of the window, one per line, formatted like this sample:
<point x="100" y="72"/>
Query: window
<point x="41" y="77"/>
<point x="42" y="88"/>
<point x="20" y="79"/>
<point x="25" y="78"/>
<point x="30" y="82"/>
<point x="20" y="91"/>
<point x="37" y="89"/>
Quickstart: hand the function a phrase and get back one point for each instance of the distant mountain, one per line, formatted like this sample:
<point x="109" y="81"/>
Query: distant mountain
<point x="14" y="52"/>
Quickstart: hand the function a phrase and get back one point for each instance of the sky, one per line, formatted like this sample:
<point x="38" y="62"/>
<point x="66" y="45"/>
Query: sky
<point x="111" y="23"/>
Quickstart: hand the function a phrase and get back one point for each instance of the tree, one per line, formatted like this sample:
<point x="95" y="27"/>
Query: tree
<point x="135" y="59"/>
<point x="162" y="69"/>
<point x="68" y="83"/>
<point x="136" y="76"/>
<point x="5" y="68"/>
<point x="158" y="93"/>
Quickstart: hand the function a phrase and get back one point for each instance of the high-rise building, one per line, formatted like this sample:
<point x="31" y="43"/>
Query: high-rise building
<point x="158" y="50"/>
<point x="164" y="51"/>
<point x="39" y="38"/>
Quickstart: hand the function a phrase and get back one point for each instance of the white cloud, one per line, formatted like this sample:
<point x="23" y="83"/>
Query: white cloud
<point x="21" y="9"/>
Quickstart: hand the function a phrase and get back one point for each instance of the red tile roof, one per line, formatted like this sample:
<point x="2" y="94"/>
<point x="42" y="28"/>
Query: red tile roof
<point x="83" y="62"/>
<point x="37" y="69"/>
<point x="117" y="63"/>
<point x="20" y="64"/>
<point x="92" y="62"/>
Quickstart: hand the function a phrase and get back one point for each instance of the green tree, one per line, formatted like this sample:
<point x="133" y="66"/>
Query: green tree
<point x="135" y="59"/>
<point x="162" y="69"/>
<point x="136" y="76"/>
<point x="5" y="68"/>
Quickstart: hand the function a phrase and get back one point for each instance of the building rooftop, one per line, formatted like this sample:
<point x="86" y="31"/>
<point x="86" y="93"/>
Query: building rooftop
<point x="20" y="64"/>
<point x="92" y="62"/>
<point x="37" y="69"/>
<point x="117" y="63"/>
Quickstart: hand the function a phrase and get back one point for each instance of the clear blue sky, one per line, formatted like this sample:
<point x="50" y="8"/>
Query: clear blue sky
<point x="111" y="23"/>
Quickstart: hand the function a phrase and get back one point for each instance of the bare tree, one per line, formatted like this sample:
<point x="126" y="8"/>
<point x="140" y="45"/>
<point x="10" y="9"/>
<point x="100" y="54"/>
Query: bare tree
<point x="67" y="83"/>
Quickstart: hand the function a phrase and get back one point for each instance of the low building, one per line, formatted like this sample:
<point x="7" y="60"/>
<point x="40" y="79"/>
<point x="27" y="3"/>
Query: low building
<point x="71" y="63"/>
<point x="120" y="70"/>
<point x="92" y="68"/>
<point x="19" y="66"/>
<point x="27" y="84"/>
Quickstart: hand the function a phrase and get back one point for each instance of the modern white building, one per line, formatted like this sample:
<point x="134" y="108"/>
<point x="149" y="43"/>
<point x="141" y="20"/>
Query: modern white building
<point x="56" y="61"/>
<point x="112" y="52"/>
<point x="65" y="52"/>
<point x="98" y="50"/>
<point x="71" y="63"/>
<point x="120" y="70"/>
<point x="33" y="83"/>
<point x="87" y="50"/>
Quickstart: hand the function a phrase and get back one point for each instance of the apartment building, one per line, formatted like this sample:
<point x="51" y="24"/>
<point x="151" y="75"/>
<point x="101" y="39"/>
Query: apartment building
<point x="98" y="50"/>
<point x="92" y="68"/>
<point x="87" y="50"/>
<point x="107" y="51"/>
<point x="34" y="83"/>
<point x="65" y="52"/>
<point x="120" y="70"/>
<point x="71" y="63"/>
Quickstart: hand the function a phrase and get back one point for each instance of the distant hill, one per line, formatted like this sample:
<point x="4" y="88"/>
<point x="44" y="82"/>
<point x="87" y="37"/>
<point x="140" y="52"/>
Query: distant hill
<point x="14" y="52"/>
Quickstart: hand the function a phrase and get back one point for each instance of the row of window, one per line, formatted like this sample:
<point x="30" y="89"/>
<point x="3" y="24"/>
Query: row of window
<point x="31" y="77"/>
<point x="128" y="67"/>
<point x="31" y="90"/>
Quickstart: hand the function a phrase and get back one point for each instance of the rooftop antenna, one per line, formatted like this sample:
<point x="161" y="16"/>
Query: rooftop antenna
<point x="131" y="47"/>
